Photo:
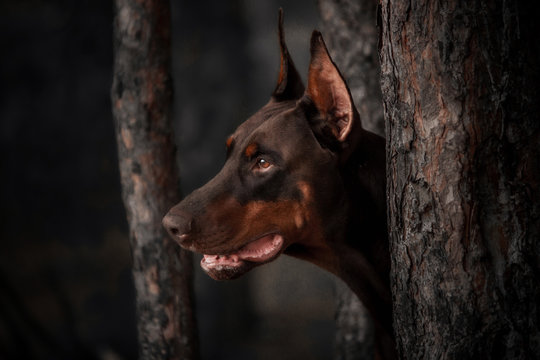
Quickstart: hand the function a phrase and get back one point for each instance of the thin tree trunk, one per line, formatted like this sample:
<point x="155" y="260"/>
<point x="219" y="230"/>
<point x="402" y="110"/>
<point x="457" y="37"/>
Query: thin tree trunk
<point x="461" y="86"/>
<point x="349" y="28"/>
<point x="141" y="98"/>
<point x="355" y="334"/>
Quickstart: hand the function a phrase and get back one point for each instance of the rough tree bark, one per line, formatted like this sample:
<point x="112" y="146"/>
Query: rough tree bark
<point x="141" y="98"/>
<point x="461" y="97"/>
<point x="349" y="28"/>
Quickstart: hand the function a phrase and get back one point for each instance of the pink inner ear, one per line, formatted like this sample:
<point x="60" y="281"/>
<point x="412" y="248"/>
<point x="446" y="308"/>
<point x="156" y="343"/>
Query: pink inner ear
<point x="343" y="121"/>
<point x="329" y="92"/>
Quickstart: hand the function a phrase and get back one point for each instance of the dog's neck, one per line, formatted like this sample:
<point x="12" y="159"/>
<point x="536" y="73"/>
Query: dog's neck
<point x="355" y="245"/>
<point x="363" y="252"/>
<point x="358" y="252"/>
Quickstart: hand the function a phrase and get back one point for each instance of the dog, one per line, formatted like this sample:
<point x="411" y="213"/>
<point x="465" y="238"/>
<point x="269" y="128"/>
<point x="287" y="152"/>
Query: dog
<point x="302" y="178"/>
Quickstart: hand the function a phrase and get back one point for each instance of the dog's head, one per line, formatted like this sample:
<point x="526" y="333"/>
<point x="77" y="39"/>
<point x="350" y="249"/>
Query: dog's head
<point x="281" y="188"/>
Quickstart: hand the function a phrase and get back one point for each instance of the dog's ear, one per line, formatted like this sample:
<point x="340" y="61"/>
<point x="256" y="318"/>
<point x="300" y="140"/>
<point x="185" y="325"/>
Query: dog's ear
<point x="328" y="91"/>
<point x="289" y="85"/>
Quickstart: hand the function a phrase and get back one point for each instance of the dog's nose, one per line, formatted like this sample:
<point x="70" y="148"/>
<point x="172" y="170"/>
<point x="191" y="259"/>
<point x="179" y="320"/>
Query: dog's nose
<point x="178" y="225"/>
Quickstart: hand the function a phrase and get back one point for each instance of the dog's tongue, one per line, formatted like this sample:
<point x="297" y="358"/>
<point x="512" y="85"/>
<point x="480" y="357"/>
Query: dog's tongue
<point x="257" y="251"/>
<point x="261" y="249"/>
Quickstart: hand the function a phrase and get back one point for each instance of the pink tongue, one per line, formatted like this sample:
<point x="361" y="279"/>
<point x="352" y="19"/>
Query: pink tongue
<point x="257" y="251"/>
<point x="261" y="249"/>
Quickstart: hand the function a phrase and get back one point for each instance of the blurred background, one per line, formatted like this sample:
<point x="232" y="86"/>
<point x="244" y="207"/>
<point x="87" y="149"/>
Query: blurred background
<point x="66" y="290"/>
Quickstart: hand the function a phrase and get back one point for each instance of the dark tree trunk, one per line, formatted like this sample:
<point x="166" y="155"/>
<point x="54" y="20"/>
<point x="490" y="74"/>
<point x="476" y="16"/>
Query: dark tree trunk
<point x="349" y="28"/>
<point x="461" y="88"/>
<point x="141" y="98"/>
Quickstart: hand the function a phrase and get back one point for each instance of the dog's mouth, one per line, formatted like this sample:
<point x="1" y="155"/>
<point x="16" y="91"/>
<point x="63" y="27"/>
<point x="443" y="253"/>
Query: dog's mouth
<point x="232" y="265"/>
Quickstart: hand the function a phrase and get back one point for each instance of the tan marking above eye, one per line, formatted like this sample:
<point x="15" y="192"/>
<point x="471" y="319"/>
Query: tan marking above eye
<point x="251" y="149"/>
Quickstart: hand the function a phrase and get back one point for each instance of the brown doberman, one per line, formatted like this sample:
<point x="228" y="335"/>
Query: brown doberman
<point x="302" y="178"/>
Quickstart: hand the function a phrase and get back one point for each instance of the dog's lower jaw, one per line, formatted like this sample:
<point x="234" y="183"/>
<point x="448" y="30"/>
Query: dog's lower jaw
<point x="226" y="272"/>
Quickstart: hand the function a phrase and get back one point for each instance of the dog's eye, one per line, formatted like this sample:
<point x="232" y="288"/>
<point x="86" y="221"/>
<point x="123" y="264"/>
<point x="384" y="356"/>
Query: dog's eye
<point x="262" y="164"/>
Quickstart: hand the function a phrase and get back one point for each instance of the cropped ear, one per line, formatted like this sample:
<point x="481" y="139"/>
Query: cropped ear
<point x="289" y="85"/>
<point x="329" y="92"/>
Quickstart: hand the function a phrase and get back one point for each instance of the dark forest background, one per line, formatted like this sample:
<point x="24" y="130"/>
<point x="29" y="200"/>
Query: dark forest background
<point x="66" y="290"/>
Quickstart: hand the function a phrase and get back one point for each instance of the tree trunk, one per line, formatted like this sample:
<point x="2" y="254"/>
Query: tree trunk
<point x="141" y="98"/>
<point x="349" y="28"/>
<point x="461" y="86"/>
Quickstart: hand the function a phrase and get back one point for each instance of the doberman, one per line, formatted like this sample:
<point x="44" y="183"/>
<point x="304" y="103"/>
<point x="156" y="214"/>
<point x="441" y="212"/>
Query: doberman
<point x="302" y="178"/>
